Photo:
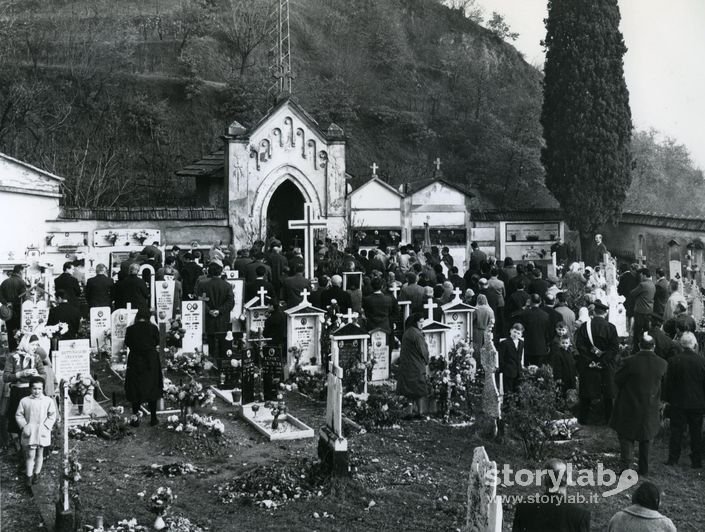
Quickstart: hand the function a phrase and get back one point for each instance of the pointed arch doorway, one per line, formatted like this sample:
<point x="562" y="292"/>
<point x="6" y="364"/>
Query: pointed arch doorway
<point x="287" y="203"/>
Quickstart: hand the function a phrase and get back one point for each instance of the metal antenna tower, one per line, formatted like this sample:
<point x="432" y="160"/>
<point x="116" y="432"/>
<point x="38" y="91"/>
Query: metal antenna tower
<point x="280" y="52"/>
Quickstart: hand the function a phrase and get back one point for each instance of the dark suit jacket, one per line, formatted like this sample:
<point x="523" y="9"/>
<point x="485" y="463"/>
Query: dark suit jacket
<point x="132" y="289"/>
<point x="341" y="296"/>
<point x="66" y="313"/>
<point x="636" y="408"/>
<point x="661" y="296"/>
<point x="99" y="291"/>
<point x="537" y="333"/>
<point x="685" y="381"/>
<point x="594" y="380"/>
<point x="69" y="284"/>
<point x="380" y="311"/>
<point x="550" y="517"/>
<point x="510" y="358"/>
<point x="293" y="287"/>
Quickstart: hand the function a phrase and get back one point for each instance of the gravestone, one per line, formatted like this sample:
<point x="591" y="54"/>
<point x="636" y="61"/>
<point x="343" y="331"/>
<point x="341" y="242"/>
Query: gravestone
<point x="71" y="359"/>
<point x="303" y="326"/>
<point x="332" y="445"/>
<point x="349" y="345"/>
<point x="491" y="395"/>
<point x="256" y="312"/>
<point x="74" y="358"/>
<point x="249" y="371"/>
<point x="272" y="371"/>
<point x="459" y="317"/>
<point x="238" y="286"/>
<point x="100" y="325"/>
<point x="434" y="333"/>
<point x="352" y="275"/>
<point x="34" y="314"/>
<point x="120" y="320"/>
<point x="484" y="506"/>
<point x="165" y="292"/>
<point x="379" y="351"/>
<point x="192" y="320"/>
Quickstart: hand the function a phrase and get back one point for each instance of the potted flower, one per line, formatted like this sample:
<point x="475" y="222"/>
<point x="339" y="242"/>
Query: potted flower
<point x="160" y="503"/>
<point x="80" y="386"/>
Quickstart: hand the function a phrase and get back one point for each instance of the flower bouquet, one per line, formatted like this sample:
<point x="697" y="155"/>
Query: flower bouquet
<point x="80" y="386"/>
<point x="160" y="503"/>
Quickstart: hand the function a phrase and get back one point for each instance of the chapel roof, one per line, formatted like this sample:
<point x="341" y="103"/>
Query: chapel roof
<point x="212" y="166"/>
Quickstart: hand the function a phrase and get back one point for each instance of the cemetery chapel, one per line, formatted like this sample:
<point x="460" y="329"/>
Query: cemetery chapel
<point x="267" y="174"/>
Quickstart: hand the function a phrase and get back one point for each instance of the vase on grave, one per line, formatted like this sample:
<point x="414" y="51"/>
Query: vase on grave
<point x="159" y="523"/>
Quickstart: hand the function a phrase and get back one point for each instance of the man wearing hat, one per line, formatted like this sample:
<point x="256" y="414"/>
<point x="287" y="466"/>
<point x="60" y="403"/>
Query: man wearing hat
<point x="598" y="344"/>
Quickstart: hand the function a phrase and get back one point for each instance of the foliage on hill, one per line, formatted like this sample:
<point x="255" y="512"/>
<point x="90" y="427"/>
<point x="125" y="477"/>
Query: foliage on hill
<point x="115" y="92"/>
<point x="116" y="95"/>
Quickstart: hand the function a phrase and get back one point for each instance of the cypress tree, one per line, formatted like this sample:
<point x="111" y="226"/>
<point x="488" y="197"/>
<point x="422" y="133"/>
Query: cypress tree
<point x="585" y="116"/>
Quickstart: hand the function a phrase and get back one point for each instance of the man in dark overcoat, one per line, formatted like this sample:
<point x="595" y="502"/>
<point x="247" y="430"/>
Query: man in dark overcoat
<point x="597" y="352"/>
<point x="132" y="289"/>
<point x="219" y="301"/>
<point x="511" y="358"/>
<point x="69" y="284"/>
<point x="636" y="415"/>
<point x="684" y="391"/>
<point x="380" y="309"/>
<point x="99" y="289"/>
<point x="537" y="332"/>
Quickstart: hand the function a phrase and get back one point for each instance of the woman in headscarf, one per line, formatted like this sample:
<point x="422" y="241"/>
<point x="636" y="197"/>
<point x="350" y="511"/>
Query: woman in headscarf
<point x="483" y="319"/>
<point x="642" y="515"/>
<point x="413" y="359"/>
<point x="20" y="367"/>
<point x="143" y="378"/>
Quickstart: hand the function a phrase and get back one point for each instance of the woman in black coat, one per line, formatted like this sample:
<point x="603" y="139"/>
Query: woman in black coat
<point x="413" y="360"/>
<point x="143" y="379"/>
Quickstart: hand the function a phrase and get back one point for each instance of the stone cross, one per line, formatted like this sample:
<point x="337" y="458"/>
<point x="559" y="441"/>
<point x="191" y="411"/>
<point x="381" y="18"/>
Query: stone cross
<point x="430" y="306"/>
<point x="262" y="292"/>
<point x="641" y="258"/>
<point x="374" y="168"/>
<point x="457" y="291"/>
<point x="350" y="316"/>
<point x="334" y="406"/>
<point x="437" y="162"/>
<point x="304" y="295"/>
<point x="395" y="290"/>
<point x="484" y="511"/>
<point x="308" y="224"/>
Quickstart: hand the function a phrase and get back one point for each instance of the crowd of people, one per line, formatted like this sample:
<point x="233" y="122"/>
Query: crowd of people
<point x="535" y="319"/>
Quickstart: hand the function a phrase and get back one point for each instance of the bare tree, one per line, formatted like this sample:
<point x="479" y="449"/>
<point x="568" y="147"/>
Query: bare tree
<point x="469" y="8"/>
<point x="243" y="27"/>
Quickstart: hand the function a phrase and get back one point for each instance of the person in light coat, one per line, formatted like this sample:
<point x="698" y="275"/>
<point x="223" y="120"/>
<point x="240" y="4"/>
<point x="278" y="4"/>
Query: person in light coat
<point x="35" y="416"/>
<point x="642" y="515"/>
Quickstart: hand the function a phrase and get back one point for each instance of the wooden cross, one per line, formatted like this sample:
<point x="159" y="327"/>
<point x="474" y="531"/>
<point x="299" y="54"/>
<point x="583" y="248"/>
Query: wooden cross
<point x="430" y="306"/>
<point x="457" y="291"/>
<point x="260" y="340"/>
<point x="304" y="295"/>
<point x="308" y="224"/>
<point x="350" y="316"/>
<point x="395" y="290"/>
<point x="262" y="292"/>
<point x="437" y="162"/>
<point x="374" y="169"/>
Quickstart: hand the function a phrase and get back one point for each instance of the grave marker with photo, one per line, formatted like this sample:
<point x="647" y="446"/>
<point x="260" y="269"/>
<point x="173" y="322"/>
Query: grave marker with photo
<point x="100" y="325"/>
<point x="349" y="344"/>
<point x="35" y="313"/>
<point x="458" y="316"/>
<point x="379" y="351"/>
<point x="303" y="324"/>
<point x="192" y="320"/>
<point x="435" y="333"/>
<point x="120" y="320"/>
<point x="165" y="293"/>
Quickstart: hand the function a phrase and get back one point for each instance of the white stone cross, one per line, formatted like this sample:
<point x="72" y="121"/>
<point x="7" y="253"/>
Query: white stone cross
<point x="304" y="295"/>
<point x="350" y="316"/>
<point x="395" y="290"/>
<point x="308" y="224"/>
<point x="457" y="291"/>
<point x="262" y="292"/>
<point x="430" y="306"/>
<point x="374" y="168"/>
<point x="437" y="162"/>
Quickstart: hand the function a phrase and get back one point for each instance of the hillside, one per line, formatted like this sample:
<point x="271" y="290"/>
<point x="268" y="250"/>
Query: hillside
<point x="129" y="91"/>
<point x="116" y="95"/>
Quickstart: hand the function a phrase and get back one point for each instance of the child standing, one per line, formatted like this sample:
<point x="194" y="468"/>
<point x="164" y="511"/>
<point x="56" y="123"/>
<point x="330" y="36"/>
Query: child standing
<point x="563" y="365"/>
<point x="35" y="417"/>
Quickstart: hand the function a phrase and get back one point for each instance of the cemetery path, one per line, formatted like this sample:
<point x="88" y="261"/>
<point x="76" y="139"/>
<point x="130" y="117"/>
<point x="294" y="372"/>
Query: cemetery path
<point x="18" y="509"/>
